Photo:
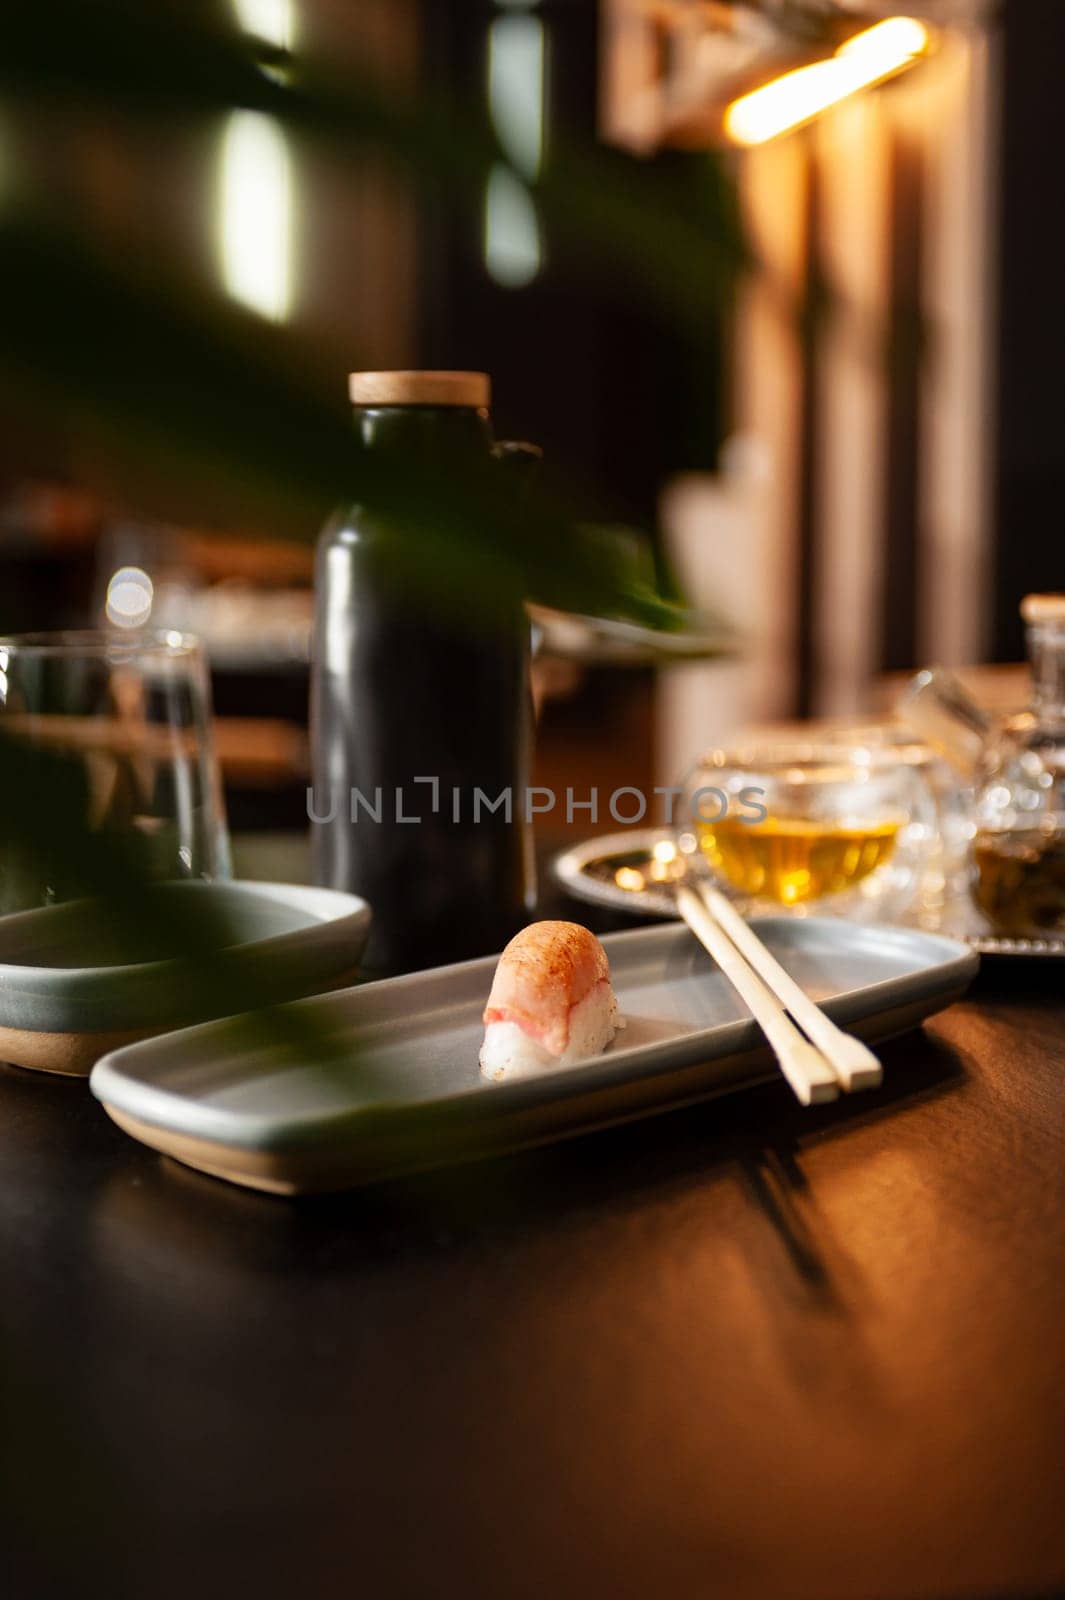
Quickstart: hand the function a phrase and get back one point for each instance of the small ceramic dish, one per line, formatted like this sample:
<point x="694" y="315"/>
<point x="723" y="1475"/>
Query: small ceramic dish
<point x="69" y="991"/>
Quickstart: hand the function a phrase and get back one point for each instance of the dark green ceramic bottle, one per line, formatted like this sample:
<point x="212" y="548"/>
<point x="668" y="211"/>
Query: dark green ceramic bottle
<point x="415" y="709"/>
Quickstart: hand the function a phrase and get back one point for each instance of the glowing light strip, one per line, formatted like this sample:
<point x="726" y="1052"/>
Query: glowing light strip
<point x="516" y="89"/>
<point x="513" y="252"/>
<point x="513" y="249"/>
<point x="255" y="214"/>
<point x="798" y="96"/>
<point x="273" y="21"/>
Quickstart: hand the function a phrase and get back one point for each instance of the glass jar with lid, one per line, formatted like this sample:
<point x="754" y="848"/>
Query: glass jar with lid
<point x="1015" y="771"/>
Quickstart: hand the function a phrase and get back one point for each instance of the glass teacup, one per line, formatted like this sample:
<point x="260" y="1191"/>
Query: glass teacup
<point x="811" y="826"/>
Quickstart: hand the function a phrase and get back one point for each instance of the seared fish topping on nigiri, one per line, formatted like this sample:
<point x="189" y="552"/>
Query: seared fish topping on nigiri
<point x="551" y="1001"/>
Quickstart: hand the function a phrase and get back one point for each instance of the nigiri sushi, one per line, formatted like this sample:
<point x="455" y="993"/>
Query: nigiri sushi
<point x="551" y="1002"/>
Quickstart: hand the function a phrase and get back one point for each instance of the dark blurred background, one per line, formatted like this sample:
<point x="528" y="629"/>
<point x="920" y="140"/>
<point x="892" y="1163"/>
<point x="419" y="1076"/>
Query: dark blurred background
<point x="855" y="456"/>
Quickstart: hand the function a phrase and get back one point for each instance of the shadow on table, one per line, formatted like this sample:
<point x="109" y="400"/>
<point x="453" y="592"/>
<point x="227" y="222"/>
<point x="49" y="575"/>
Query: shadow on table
<point x="1035" y="979"/>
<point x="143" y="1266"/>
<point x="757" y="1135"/>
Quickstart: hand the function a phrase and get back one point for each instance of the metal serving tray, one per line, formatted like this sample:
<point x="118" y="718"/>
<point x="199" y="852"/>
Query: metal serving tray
<point x="400" y="1090"/>
<point x="589" y="871"/>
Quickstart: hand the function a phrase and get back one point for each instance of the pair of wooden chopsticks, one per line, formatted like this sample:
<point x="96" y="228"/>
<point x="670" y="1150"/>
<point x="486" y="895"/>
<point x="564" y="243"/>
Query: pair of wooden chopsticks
<point x="816" y="1066"/>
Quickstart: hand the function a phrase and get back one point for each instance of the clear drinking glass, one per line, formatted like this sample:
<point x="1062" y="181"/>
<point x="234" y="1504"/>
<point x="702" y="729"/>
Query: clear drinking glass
<point x="811" y="827"/>
<point x="124" y="725"/>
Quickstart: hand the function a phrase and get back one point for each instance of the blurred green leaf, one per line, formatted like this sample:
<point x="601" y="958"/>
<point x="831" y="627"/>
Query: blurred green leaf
<point x="217" y="385"/>
<point x="43" y="822"/>
<point x="166" y="64"/>
<point x="179" y="378"/>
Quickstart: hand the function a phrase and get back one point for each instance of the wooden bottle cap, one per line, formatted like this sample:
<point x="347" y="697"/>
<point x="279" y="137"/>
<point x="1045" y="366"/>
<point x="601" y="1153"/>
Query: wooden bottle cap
<point x="420" y="388"/>
<point x="1043" y="608"/>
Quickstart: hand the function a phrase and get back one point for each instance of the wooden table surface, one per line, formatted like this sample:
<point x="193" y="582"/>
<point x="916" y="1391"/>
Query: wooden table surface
<point x="742" y="1350"/>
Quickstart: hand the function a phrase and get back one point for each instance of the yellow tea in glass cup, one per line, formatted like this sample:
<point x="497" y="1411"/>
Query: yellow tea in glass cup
<point x="795" y="826"/>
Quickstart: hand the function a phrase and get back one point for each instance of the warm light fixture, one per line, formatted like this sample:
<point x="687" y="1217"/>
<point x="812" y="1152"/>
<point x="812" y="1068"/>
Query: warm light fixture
<point x="797" y="96"/>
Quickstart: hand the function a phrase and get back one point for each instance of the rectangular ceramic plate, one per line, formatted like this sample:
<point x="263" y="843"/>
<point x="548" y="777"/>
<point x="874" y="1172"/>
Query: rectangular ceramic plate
<point x="403" y="1090"/>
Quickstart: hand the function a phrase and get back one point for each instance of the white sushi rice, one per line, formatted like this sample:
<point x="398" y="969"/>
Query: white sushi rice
<point x="509" y="1052"/>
